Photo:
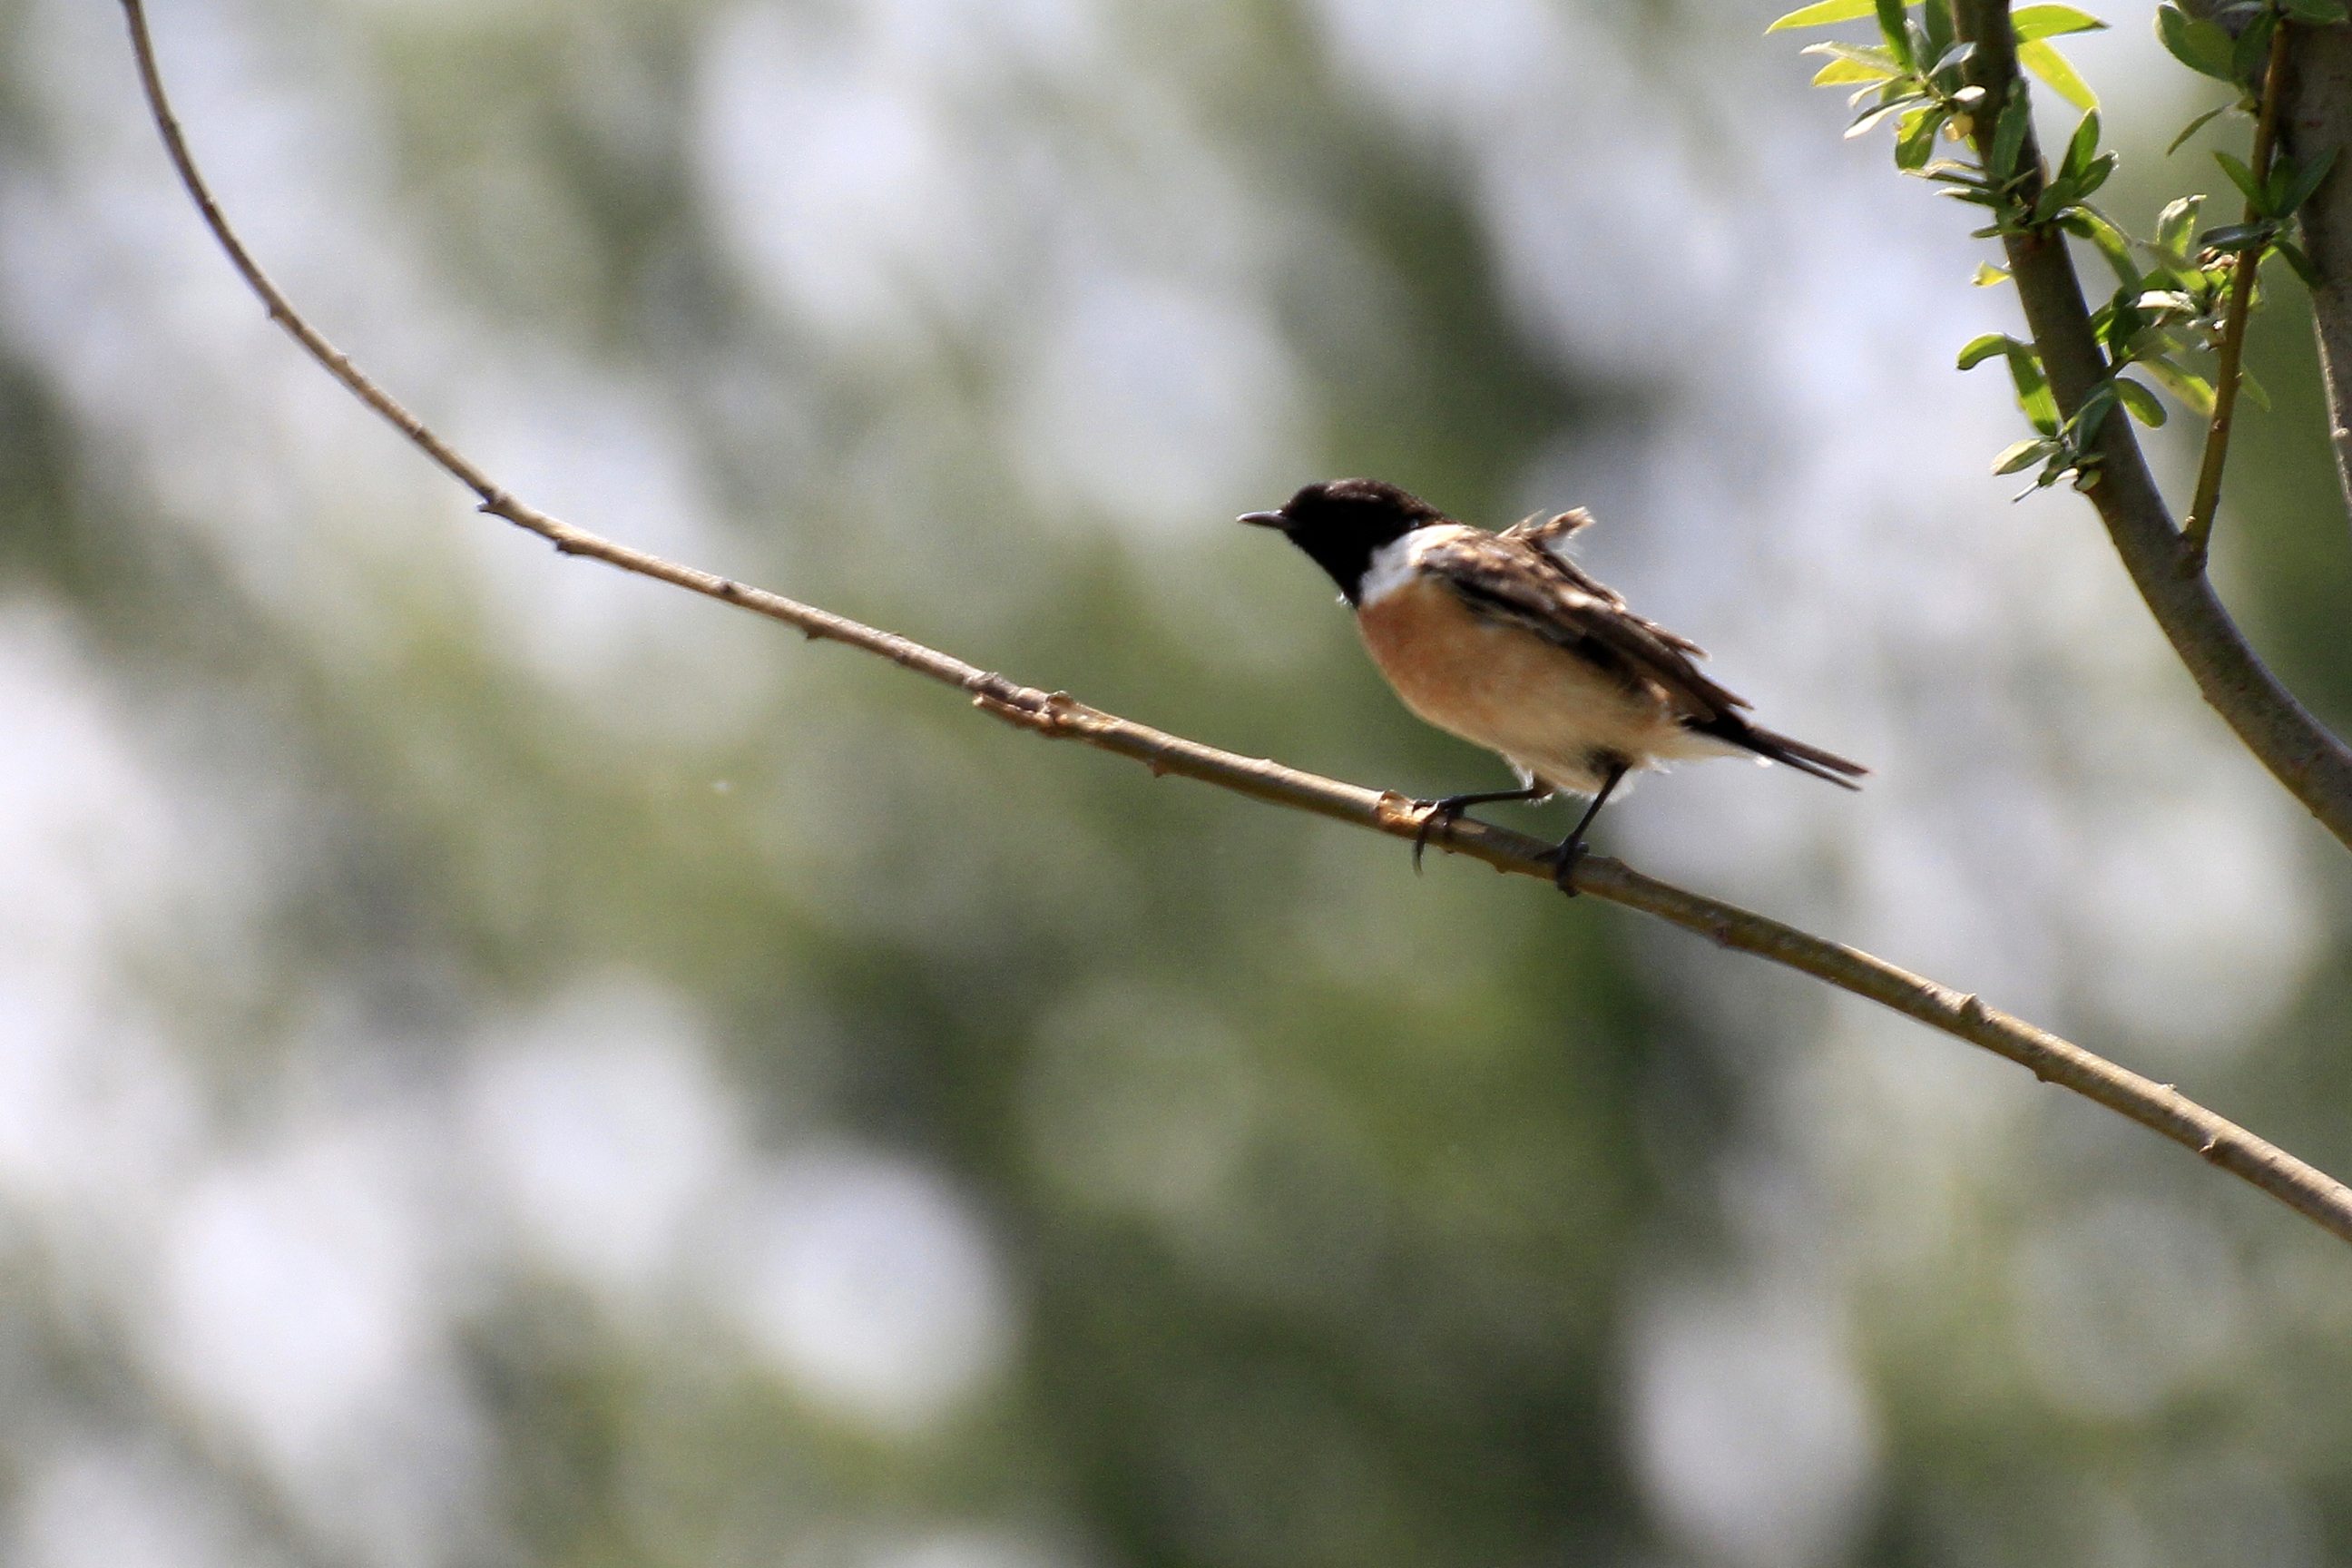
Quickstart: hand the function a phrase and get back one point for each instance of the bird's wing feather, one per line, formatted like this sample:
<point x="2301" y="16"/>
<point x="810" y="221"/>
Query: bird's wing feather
<point x="1550" y="536"/>
<point x="1516" y="579"/>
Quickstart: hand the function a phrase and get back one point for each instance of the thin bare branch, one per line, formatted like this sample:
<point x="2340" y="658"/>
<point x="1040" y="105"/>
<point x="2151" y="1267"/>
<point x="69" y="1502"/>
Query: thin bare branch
<point x="2315" y="765"/>
<point x="1057" y="716"/>
<point x="2197" y="533"/>
<point x="2316" y="118"/>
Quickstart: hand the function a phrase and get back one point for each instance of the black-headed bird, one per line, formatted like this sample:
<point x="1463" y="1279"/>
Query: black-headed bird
<point x="1504" y="640"/>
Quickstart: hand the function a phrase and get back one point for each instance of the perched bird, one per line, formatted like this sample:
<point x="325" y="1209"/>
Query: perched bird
<point x="1504" y="640"/>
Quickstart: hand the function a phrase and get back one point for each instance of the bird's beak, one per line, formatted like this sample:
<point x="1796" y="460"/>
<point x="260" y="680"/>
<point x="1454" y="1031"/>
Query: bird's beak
<point x="1265" y="520"/>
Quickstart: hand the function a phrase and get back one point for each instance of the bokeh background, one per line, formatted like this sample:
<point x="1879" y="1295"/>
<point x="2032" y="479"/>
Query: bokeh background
<point x="504" y="1063"/>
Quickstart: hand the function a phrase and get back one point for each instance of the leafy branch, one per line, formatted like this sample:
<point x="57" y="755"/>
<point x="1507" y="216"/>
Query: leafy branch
<point x="2315" y="116"/>
<point x="1056" y="716"/>
<point x="2203" y="287"/>
<point x="2275" y="187"/>
<point x="1920" y="72"/>
<point x="2273" y="195"/>
<point x="1921" y="67"/>
<point x="2067" y="368"/>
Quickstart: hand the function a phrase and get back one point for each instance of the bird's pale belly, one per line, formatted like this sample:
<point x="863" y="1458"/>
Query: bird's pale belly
<point x="1550" y="713"/>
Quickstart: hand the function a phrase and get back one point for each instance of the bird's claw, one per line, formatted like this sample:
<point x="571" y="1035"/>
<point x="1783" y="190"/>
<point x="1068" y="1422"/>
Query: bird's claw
<point x="1564" y="858"/>
<point x="1440" y="816"/>
<point x="1436" y="815"/>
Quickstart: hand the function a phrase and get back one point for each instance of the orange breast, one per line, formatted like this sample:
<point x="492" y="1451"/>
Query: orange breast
<point x="1508" y="690"/>
<point x="1448" y="666"/>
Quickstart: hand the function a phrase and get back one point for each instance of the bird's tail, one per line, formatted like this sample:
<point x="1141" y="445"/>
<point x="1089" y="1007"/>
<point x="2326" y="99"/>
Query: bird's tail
<point x="1781" y="749"/>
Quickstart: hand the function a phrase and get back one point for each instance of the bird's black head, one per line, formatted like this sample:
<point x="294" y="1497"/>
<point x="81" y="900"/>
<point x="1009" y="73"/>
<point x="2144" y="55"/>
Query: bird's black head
<point x="1341" y="521"/>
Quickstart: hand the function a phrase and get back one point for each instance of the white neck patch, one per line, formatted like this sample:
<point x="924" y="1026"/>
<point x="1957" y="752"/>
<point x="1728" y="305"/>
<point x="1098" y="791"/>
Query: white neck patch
<point x="1396" y="563"/>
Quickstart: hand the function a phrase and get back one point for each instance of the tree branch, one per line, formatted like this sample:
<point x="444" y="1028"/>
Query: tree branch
<point x="2316" y="115"/>
<point x="2197" y="533"/>
<point x="1057" y="716"/>
<point x="2313" y="764"/>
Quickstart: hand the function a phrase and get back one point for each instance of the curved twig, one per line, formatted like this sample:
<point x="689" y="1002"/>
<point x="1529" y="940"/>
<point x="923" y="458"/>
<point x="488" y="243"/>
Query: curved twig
<point x="2197" y="533"/>
<point x="1057" y="716"/>
<point x="2315" y="117"/>
<point x="2313" y="764"/>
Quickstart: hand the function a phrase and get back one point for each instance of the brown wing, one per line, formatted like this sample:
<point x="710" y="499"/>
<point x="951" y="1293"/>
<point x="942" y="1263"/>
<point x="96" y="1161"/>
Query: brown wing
<point x="1551" y="535"/>
<point x="1520" y="578"/>
<point x="1551" y="532"/>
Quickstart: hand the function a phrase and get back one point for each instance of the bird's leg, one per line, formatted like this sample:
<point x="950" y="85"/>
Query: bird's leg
<point x="1571" y="849"/>
<point x="1440" y="813"/>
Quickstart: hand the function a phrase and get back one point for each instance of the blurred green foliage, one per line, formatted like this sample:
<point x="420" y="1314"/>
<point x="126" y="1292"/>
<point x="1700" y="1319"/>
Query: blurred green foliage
<point x="1333" y="1203"/>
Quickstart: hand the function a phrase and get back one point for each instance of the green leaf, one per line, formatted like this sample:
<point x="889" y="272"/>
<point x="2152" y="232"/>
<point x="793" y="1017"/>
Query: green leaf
<point x="2051" y="202"/>
<point x="1986" y="276"/>
<point x="2188" y="278"/>
<point x="1946" y="73"/>
<point x="1935" y="25"/>
<point x="1860" y="54"/>
<point x="2113" y="243"/>
<point x="1823" y="14"/>
<point x="2033" y="394"/>
<point x="2175" y="225"/>
<point x="2302" y="181"/>
<point x="2151" y="343"/>
<point x="2141" y="402"/>
<point x="2050" y="66"/>
<point x="2299" y="261"/>
<point x="1920" y="50"/>
<point x="2031" y="22"/>
<point x="2009" y="135"/>
<point x="2243" y="178"/>
<point x="2275" y="188"/>
<point x="2254" y="389"/>
<point x="2164" y="308"/>
<point x="2081" y="147"/>
<point x="1915" y="141"/>
<point x="2194" y="126"/>
<point x="1979" y="349"/>
<point x="2022" y="454"/>
<point x="1837" y="73"/>
<point x="2096" y="175"/>
<point x="2235" y="236"/>
<point x="2246" y="55"/>
<point x="2097" y="403"/>
<point x="1870" y="117"/>
<point x="2315" y="13"/>
<point x="2024" y="373"/>
<point x="2195" y="393"/>
<point x="1897" y="35"/>
<point x="2199" y="44"/>
<point x="2116" y="324"/>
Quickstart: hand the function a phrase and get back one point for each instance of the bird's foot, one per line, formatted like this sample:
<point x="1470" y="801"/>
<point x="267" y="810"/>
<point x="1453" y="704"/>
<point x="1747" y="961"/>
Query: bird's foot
<point x="1437" y="816"/>
<point x="1564" y="858"/>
